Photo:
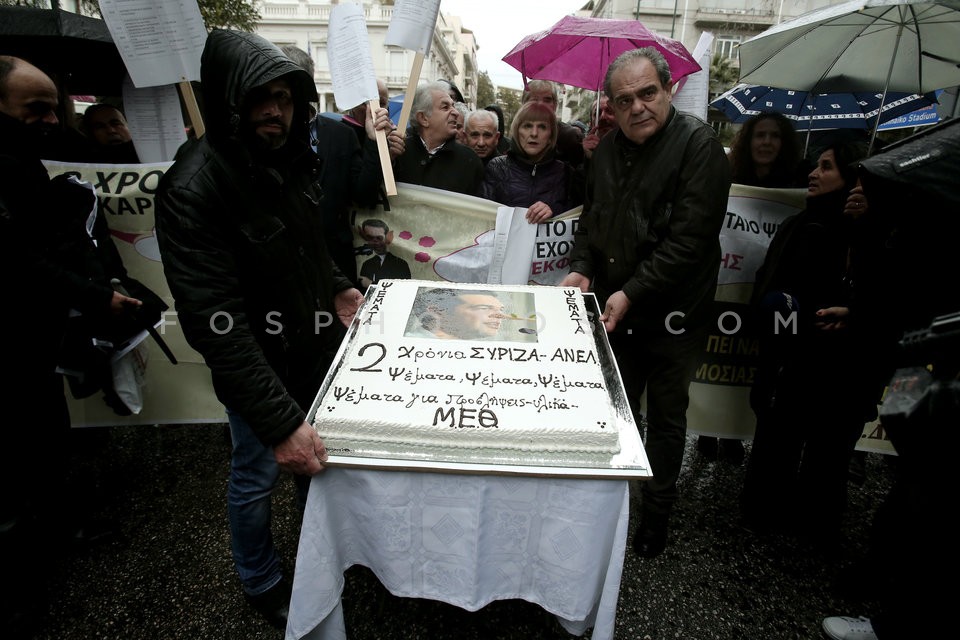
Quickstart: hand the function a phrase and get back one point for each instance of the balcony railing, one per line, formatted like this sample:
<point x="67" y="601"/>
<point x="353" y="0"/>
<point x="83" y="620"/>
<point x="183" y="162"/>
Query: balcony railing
<point x="721" y="15"/>
<point x="298" y="11"/>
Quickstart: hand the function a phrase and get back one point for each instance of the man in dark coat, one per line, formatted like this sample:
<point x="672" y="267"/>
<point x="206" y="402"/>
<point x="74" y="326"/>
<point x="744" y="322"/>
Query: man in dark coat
<point x="106" y="127"/>
<point x="239" y="222"/>
<point x="356" y="164"/>
<point x="433" y="157"/>
<point x="649" y="245"/>
<point x="55" y="255"/>
<point x="483" y="134"/>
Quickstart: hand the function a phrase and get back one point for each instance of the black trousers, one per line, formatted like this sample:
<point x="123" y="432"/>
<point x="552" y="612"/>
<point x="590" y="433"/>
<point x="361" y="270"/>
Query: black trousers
<point x="33" y="470"/>
<point x="662" y="365"/>
<point x="798" y="466"/>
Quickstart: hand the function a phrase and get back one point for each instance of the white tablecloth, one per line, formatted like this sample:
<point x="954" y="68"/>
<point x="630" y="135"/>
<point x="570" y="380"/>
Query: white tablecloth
<point x="462" y="539"/>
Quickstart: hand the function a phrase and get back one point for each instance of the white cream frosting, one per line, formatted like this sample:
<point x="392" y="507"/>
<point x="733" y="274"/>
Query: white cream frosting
<point x="530" y="393"/>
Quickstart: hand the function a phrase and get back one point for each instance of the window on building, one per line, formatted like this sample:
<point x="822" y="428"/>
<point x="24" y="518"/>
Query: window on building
<point x="726" y="46"/>
<point x="321" y="61"/>
<point x="397" y="68"/>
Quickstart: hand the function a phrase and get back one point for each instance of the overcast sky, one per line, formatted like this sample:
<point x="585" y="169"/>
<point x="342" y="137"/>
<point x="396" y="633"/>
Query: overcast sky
<point x="498" y="25"/>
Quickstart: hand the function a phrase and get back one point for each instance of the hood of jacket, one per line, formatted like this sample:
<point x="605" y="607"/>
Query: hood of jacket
<point x="235" y="62"/>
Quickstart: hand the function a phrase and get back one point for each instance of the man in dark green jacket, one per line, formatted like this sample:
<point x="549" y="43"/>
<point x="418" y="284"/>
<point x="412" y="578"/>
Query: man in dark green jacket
<point x="648" y="244"/>
<point x="240" y="227"/>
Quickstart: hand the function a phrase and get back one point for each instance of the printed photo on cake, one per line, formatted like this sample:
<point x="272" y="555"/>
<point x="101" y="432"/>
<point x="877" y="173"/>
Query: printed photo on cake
<point x="474" y="314"/>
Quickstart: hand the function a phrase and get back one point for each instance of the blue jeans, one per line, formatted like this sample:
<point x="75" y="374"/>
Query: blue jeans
<point x="253" y="475"/>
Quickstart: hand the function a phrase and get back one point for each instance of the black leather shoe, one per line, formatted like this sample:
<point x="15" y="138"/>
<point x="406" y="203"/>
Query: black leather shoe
<point x="731" y="450"/>
<point x="707" y="447"/>
<point x="651" y="537"/>
<point x="273" y="604"/>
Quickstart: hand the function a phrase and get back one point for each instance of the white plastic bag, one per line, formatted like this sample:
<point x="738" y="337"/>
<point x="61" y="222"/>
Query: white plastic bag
<point x="129" y="376"/>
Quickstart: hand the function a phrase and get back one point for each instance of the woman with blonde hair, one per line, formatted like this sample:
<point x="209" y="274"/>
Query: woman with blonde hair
<point x="530" y="175"/>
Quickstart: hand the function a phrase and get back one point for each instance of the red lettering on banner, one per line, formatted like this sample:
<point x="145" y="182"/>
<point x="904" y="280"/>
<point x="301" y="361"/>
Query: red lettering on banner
<point x="731" y="261"/>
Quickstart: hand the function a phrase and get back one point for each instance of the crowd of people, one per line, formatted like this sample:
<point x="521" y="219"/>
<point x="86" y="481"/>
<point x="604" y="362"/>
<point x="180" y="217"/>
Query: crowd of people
<point x="253" y="219"/>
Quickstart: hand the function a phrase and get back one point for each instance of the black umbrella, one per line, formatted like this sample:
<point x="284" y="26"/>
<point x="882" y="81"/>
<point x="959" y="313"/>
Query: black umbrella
<point x="79" y="51"/>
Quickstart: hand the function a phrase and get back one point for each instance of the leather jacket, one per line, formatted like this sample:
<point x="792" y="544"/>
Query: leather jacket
<point x="651" y="222"/>
<point x="241" y="237"/>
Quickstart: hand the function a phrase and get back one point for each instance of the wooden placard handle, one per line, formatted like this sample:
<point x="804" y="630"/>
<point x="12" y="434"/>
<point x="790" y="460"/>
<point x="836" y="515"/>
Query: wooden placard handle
<point x="388" y="182"/>
<point x="193" y="109"/>
<point x="411" y="91"/>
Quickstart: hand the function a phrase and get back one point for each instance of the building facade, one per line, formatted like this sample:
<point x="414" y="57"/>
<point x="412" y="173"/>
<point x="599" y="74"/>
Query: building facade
<point x="304" y="23"/>
<point x="730" y="21"/>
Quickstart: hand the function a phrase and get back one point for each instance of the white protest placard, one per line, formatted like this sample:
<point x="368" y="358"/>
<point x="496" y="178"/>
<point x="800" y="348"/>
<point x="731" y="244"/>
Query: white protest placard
<point x="411" y="27"/>
<point x="694" y="92"/>
<point x="412" y="24"/>
<point x="155" y="122"/>
<point x="348" y="51"/>
<point x="351" y="71"/>
<point x="160" y="42"/>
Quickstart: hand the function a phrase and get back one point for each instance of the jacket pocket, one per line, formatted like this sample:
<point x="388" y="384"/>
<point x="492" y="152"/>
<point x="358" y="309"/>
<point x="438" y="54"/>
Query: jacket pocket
<point x="271" y="264"/>
<point x="263" y="230"/>
<point x="271" y="249"/>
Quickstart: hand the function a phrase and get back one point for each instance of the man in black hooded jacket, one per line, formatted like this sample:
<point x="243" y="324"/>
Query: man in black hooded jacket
<point x="239" y="222"/>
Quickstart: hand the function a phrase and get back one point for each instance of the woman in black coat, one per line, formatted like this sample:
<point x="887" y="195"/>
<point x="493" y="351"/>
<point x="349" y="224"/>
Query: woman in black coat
<point x="814" y="390"/>
<point x="530" y="175"/>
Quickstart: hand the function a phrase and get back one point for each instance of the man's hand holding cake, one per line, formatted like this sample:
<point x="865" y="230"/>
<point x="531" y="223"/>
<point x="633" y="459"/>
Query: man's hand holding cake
<point x="302" y="452"/>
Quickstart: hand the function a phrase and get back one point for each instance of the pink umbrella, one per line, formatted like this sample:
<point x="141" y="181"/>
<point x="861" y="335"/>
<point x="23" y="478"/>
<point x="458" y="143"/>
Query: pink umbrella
<point x="577" y="51"/>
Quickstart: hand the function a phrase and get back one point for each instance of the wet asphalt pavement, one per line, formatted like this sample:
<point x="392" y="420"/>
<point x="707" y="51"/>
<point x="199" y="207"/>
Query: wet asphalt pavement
<point x="167" y="571"/>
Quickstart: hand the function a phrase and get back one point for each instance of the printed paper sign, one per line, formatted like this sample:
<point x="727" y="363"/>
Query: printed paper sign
<point x="160" y="42"/>
<point x="412" y="24"/>
<point x="351" y="65"/>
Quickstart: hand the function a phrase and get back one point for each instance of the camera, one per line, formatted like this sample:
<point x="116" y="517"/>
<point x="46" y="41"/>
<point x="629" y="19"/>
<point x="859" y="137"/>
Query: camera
<point x="925" y="390"/>
<point x="936" y="345"/>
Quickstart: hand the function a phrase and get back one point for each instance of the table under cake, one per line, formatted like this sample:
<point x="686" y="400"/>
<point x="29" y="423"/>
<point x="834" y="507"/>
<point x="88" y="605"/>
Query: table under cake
<point x="463" y="539"/>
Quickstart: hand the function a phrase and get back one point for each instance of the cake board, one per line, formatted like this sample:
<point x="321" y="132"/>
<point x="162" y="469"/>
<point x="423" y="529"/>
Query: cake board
<point x="629" y="463"/>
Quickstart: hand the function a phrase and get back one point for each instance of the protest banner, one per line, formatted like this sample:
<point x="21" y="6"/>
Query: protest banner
<point x="451" y="237"/>
<point x="173" y="394"/>
<point x="448" y="236"/>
